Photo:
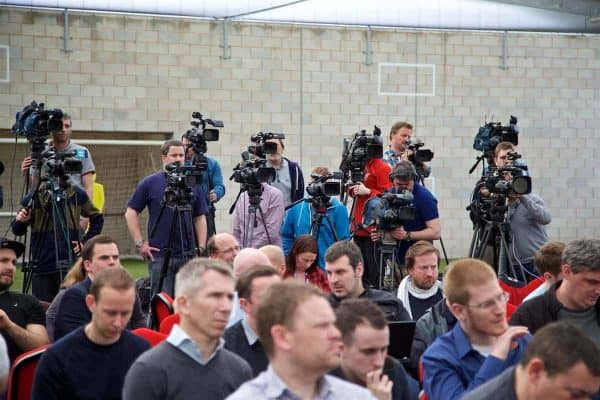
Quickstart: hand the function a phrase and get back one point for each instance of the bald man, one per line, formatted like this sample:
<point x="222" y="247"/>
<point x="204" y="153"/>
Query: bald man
<point x="223" y="246"/>
<point x="276" y="257"/>
<point x="245" y="260"/>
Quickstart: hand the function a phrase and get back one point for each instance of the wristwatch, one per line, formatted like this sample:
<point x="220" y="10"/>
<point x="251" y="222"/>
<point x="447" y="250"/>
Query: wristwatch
<point x="407" y="237"/>
<point x="139" y="243"/>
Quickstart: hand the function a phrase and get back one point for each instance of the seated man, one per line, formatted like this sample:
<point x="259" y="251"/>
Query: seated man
<point x="481" y="345"/>
<point x="364" y="360"/>
<point x="275" y="256"/>
<point x="297" y="328"/>
<point x="548" y="262"/>
<point x="344" y="266"/>
<point x="241" y="338"/>
<point x="223" y="246"/>
<point x="192" y="362"/>
<point x="21" y="315"/>
<point x="560" y="362"/>
<point x="92" y="361"/>
<point x="575" y="298"/>
<point x="420" y="289"/>
<point x="334" y="225"/>
<point x="99" y="253"/>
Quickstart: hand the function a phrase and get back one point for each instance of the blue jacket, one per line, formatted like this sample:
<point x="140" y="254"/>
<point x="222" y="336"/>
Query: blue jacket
<point x="298" y="219"/>
<point x="215" y="179"/>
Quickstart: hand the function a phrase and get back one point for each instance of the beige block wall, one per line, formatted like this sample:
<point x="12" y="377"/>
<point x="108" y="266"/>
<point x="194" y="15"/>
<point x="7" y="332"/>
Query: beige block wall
<point x="132" y="74"/>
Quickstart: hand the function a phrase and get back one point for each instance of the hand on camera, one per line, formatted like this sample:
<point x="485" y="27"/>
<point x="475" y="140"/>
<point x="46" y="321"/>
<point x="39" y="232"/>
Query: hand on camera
<point x="359" y="190"/>
<point x="399" y="233"/>
<point x="25" y="164"/>
<point x="23" y="215"/>
<point x="375" y="235"/>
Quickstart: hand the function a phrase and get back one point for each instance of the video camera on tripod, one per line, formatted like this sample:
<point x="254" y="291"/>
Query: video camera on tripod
<point x="35" y="123"/>
<point x="197" y="136"/>
<point x="388" y="211"/>
<point x="321" y="189"/>
<point x="488" y="137"/>
<point x="356" y="153"/>
<point x="418" y="156"/>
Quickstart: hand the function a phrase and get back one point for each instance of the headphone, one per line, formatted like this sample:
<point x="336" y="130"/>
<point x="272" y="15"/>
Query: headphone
<point x="402" y="170"/>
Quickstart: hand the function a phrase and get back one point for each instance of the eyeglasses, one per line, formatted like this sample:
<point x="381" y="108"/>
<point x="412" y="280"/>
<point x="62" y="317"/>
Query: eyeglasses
<point x="489" y="304"/>
<point x="229" y="250"/>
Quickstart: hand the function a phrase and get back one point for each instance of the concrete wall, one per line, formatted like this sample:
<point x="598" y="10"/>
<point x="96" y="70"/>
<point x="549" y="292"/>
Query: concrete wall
<point x="131" y="74"/>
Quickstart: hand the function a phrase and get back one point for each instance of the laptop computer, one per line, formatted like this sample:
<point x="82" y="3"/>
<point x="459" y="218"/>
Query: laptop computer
<point x="401" y="338"/>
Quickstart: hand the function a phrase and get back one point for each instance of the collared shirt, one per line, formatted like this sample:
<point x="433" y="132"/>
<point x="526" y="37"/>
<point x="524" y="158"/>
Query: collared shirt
<point x="250" y="334"/>
<point x="391" y="157"/>
<point x="453" y="367"/>
<point x="236" y="311"/>
<point x="269" y="386"/>
<point x="181" y="340"/>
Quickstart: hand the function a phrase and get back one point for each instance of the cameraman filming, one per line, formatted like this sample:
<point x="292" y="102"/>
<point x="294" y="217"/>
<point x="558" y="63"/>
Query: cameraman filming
<point x="527" y="216"/>
<point x="426" y="224"/>
<point x="288" y="174"/>
<point x="299" y="220"/>
<point x="150" y="193"/>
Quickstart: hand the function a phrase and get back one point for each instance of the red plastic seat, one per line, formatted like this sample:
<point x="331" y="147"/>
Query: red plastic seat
<point x="167" y="324"/>
<point x="153" y="337"/>
<point x="22" y="372"/>
<point x="161" y="307"/>
<point x="517" y="294"/>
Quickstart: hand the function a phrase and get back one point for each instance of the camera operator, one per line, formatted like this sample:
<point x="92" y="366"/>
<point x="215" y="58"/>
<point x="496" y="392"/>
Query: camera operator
<point x="527" y="216"/>
<point x="289" y="178"/>
<point x="299" y="220"/>
<point x="61" y="142"/>
<point x="376" y="181"/>
<point x="400" y="141"/>
<point x="426" y="224"/>
<point x="150" y="193"/>
<point x="211" y="180"/>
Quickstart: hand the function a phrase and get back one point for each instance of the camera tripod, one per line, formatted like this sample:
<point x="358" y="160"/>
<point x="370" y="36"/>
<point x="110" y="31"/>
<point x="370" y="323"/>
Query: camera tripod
<point x="320" y="211"/>
<point x="50" y="201"/>
<point x="254" y="193"/>
<point x="388" y="278"/>
<point x="499" y="234"/>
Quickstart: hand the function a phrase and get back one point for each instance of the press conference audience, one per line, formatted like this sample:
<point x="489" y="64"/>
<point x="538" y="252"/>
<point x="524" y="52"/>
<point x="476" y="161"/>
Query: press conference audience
<point x="91" y="362"/>
<point x="344" y="266"/>
<point x="575" y="298"/>
<point x="276" y="257"/>
<point x="364" y="359"/>
<point x="241" y="338"/>
<point x="192" y="362"/>
<point x="297" y="328"/>
<point x="481" y="345"/>
<point x="223" y="246"/>
<point x="420" y="289"/>
<point x="301" y="263"/>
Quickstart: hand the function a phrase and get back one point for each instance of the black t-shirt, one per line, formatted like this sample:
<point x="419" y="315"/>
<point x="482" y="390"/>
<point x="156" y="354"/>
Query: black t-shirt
<point x="22" y="309"/>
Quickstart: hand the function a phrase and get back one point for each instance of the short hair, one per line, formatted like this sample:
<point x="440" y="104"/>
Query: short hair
<point x="549" y="258"/>
<point x="321" y="171"/>
<point x="399" y="125"/>
<point x="418" y="249"/>
<point x="354" y="312"/>
<point x="189" y="278"/>
<point x="115" y="278"/>
<point x="166" y="146"/>
<point x="302" y="244"/>
<point x="67" y="116"/>
<point x="243" y="285"/>
<point x="344" y="248"/>
<point x="87" y="251"/>
<point x="278" y="307"/>
<point x="274" y="254"/>
<point x="561" y="345"/>
<point x="465" y="273"/>
<point x="403" y="170"/>
<point x="211" y="245"/>
<point x="582" y="255"/>
<point x="503" y="146"/>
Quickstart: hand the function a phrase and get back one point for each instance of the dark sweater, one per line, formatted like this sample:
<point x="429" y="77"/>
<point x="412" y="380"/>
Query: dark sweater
<point x="77" y="368"/>
<point x="165" y="372"/>
<point x="73" y="312"/>
<point x="236" y="341"/>
<point x="391" y="306"/>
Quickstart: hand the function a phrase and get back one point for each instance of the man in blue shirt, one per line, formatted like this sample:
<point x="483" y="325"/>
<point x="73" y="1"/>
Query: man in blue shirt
<point x="481" y="345"/>
<point x="426" y="224"/>
<point x="190" y="235"/>
<point x="298" y="221"/>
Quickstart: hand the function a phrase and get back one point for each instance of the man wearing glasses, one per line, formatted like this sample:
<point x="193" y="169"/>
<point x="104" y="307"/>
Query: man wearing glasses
<point x="481" y="345"/>
<point x="223" y="246"/>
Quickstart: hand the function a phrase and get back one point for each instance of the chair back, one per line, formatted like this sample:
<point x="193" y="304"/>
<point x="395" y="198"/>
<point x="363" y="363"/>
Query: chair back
<point x="153" y="337"/>
<point x="22" y="372"/>
<point x="167" y="324"/>
<point x="161" y="307"/>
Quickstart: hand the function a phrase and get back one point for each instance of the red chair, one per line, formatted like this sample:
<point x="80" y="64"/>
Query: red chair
<point x="518" y="293"/>
<point x="161" y="307"/>
<point x="22" y="372"/>
<point x="510" y="309"/>
<point x="422" y="395"/>
<point x="167" y="324"/>
<point x="153" y="337"/>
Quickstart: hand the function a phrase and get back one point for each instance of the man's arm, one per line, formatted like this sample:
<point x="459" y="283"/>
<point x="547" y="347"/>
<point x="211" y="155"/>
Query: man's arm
<point x="287" y="229"/>
<point x="217" y="180"/>
<point x="30" y="337"/>
<point x="133" y="226"/>
<point x="201" y="230"/>
<point x="341" y="221"/>
<point x="87" y="181"/>
<point x="432" y="231"/>
<point x="536" y="209"/>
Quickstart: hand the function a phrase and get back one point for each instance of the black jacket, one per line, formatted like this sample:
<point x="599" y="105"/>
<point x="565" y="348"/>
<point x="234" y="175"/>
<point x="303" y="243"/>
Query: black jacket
<point x="391" y="305"/>
<point x="542" y="310"/>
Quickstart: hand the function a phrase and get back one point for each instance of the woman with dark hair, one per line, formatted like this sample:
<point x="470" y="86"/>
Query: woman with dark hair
<point x="302" y="263"/>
